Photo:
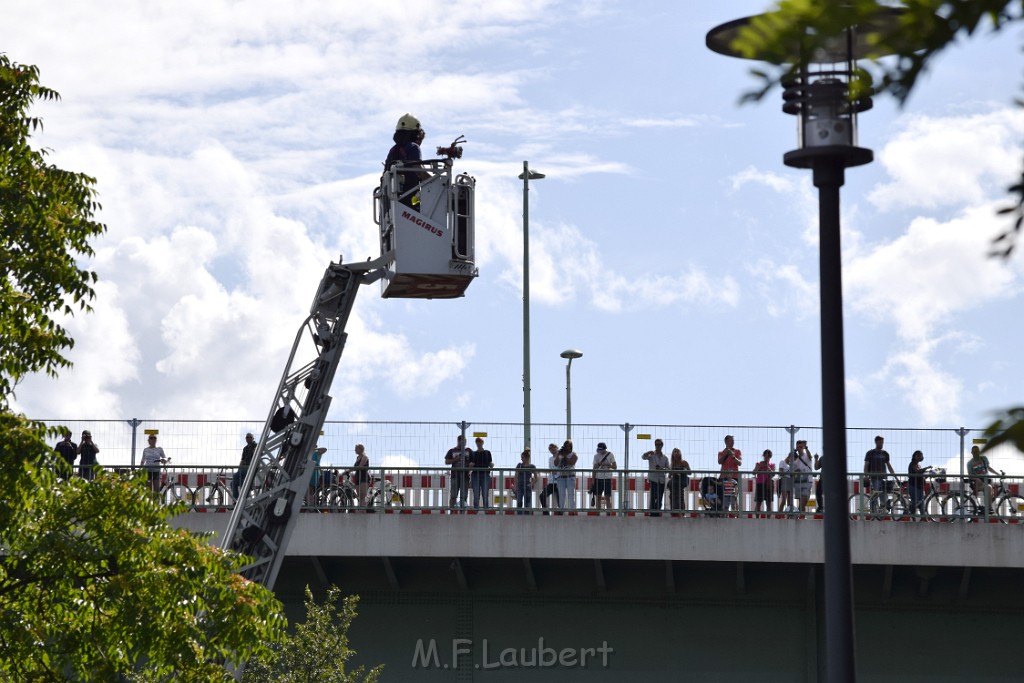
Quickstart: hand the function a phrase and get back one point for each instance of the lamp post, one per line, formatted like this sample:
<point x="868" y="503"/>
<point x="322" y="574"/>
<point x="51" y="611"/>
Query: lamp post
<point x="569" y="354"/>
<point x="819" y="93"/>
<point x="526" y="176"/>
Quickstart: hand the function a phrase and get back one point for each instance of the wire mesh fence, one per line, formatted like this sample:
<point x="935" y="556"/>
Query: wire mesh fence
<point x="218" y="443"/>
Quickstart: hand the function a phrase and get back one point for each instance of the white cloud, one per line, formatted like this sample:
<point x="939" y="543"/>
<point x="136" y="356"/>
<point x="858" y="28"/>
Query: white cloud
<point x="939" y="162"/>
<point x="921" y="279"/>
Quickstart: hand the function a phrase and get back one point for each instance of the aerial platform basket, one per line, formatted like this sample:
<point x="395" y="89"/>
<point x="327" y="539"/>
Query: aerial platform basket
<point x="426" y="230"/>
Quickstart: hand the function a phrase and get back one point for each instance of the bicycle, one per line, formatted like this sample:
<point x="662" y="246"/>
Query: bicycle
<point x="385" y="494"/>
<point x="338" y="492"/>
<point x="935" y="502"/>
<point x="890" y="501"/>
<point x="1006" y="506"/>
<point x="172" y="492"/>
<point x="216" y="495"/>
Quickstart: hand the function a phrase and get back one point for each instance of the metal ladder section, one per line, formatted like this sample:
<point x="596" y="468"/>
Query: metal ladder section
<point x="263" y="520"/>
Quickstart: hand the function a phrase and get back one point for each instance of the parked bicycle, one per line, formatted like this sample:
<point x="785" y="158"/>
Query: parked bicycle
<point x="889" y="502"/>
<point x="935" y="501"/>
<point x="172" y="491"/>
<point x="966" y="506"/>
<point x="215" y="495"/>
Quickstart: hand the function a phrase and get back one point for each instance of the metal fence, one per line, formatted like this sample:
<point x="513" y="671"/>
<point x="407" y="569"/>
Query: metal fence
<point x="629" y="492"/>
<point x="218" y="443"/>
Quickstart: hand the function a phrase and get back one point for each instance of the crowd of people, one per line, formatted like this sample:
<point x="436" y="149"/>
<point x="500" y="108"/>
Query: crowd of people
<point x="787" y="486"/>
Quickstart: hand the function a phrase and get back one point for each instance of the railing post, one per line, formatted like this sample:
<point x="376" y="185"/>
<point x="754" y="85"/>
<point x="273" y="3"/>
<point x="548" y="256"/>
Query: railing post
<point x="134" y="422"/>
<point x="624" y="488"/>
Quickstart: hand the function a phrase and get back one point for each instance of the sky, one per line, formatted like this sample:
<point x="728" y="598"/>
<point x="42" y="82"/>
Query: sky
<point x="236" y="147"/>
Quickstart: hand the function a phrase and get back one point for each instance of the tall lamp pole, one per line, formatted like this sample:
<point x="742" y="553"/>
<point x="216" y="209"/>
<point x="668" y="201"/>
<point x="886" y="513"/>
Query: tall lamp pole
<point x="569" y="354"/>
<point x="526" y="176"/>
<point x="819" y="93"/>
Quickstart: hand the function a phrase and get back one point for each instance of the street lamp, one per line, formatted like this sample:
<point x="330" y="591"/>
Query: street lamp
<point x="824" y="93"/>
<point x="569" y="354"/>
<point x="526" y="176"/>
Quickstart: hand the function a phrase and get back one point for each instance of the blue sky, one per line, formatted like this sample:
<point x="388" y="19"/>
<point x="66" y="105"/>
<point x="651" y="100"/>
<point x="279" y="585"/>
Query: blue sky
<point x="236" y="148"/>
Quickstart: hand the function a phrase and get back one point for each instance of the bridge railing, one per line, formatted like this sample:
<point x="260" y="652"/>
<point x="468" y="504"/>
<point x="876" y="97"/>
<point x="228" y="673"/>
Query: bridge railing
<point x="689" y="493"/>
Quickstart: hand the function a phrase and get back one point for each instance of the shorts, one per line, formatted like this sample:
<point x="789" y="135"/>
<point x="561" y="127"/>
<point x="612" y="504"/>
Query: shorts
<point x="602" y="487"/>
<point x="802" y="486"/>
<point x="764" y="492"/>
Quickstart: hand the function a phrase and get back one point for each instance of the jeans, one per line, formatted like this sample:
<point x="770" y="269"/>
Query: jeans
<point x="524" y="500"/>
<point x="565" y="492"/>
<point x="480" y="482"/>
<point x="459" y="488"/>
<point x="657" y="492"/>
<point x="547" y="492"/>
<point x="236" y="480"/>
<point x="916" y="500"/>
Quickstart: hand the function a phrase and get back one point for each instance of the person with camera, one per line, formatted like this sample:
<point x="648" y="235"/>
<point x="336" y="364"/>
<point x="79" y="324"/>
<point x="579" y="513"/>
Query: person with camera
<point x="459" y="458"/>
<point x="657" y="469"/>
<point x="604" y="463"/>
<point x="68" y="451"/>
<point x="565" y="476"/>
<point x="800" y="462"/>
<point x="87" y="452"/>
<point x="730" y="458"/>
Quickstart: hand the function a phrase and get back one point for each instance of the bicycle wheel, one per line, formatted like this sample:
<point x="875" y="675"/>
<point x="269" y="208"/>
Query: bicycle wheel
<point x="959" y="508"/>
<point x="176" y="493"/>
<point x="898" y="506"/>
<point x="859" y="506"/>
<point x="381" y="500"/>
<point x="933" y="508"/>
<point x="210" y="495"/>
<point x="1010" y="508"/>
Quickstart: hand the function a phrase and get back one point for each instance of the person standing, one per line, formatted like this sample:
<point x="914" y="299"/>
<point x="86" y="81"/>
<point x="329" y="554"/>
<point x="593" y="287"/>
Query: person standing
<point x="730" y="458"/>
<point x="526" y="475"/>
<point x="876" y="461"/>
<point x="819" y="495"/>
<point x="604" y="463"/>
<point x="481" y="463"/>
<point x="915" y="484"/>
<point x="87" y="452"/>
<point x="152" y="458"/>
<point x="459" y="458"/>
<point x="764" y="474"/>
<point x="68" y="450"/>
<point x="800" y="461"/>
<point x="565" y="476"/>
<point x="657" y="467"/>
<point x="978" y="468"/>
<point x="785" y="486"/>
<point x="551" y="488"/>
<point x="312" y="499"/>
<point x="360" y="472"/>
<point x="248" y="451"/>
<point x="678" y="482"/>
<point x="407" y="138"/>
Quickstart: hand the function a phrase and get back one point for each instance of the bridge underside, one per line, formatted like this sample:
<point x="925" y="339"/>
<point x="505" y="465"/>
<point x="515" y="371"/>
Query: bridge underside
<point x="513" y="618"/>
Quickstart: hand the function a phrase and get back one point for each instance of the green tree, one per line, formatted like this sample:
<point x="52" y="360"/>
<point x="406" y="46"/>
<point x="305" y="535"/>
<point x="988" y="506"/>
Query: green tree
<point x="901" y="53"/>
<point x="318" y="650"/>
<point x="96" y="584"/>
<point x="46" y="222"/>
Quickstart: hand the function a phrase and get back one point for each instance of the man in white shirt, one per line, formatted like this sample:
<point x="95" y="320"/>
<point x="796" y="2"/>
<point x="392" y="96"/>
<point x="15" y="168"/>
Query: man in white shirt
<point x="604" y="463"/>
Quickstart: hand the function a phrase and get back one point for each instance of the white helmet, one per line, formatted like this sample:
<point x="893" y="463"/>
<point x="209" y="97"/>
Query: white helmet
<point x="408" y="122"/>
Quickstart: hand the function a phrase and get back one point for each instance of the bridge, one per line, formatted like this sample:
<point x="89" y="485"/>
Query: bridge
<point x="492" y="595"/>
